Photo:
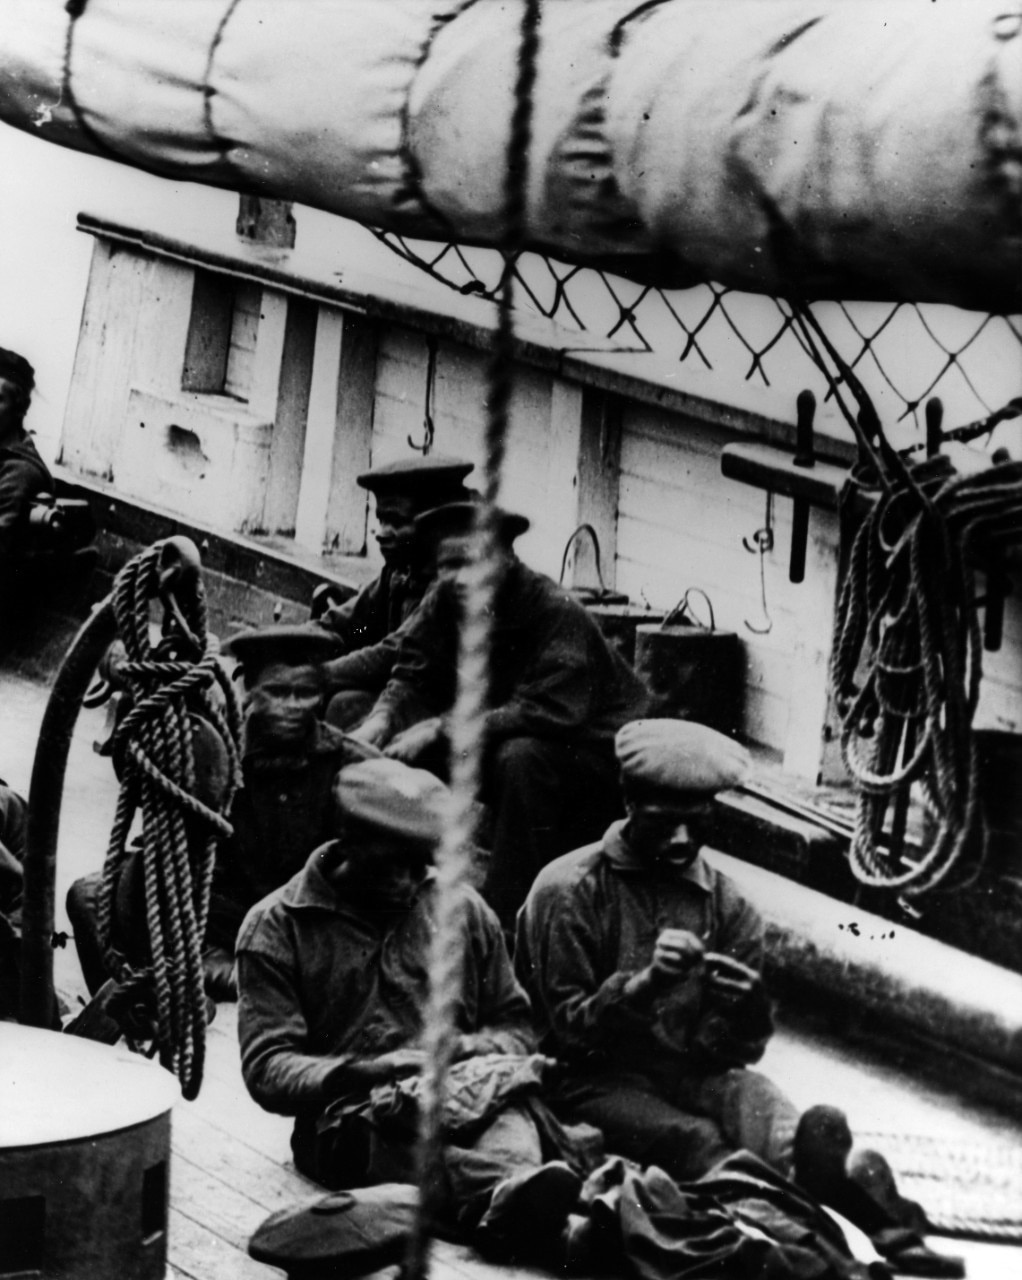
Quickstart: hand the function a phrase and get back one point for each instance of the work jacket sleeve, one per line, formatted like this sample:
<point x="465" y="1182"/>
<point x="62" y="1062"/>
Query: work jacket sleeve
<point x="504" y="1017"/>
<point x="582" y="1008"/>
<point x="368" y="668"/>
<point x="278" y="1072"/>
<point x="18" y="485"/>
<point x="359" y="620"/>
<point x="557" y="690"/>
<point x="422" y="680"/>
<point x="734" y="1032"/>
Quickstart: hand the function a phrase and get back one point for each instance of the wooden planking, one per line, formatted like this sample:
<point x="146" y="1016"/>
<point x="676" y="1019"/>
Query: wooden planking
<point x="199" y="1253"/>
<point x="244" y="329"/>
<point x="287" y="447"/>
<point x="681" y="523"/>
<point x="353" y="431"/>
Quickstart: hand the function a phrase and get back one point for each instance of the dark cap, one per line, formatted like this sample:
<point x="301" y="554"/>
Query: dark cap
<point x="679" y="757"/>
<point x="433" y="476"/>
<point x="393" y="797"/>
<point x="455" y="520"/>
<point x="293" y="645"/>
<point x="15" y="368"/>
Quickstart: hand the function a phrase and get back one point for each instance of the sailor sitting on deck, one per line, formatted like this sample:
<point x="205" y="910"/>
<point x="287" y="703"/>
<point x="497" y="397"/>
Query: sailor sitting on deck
<point x="282" y="812"/>
<point x="366" y="623"/>
<point x="23" y="476"/>
<point x="643" y="966"/>
<point x="559" y="693"/>
<point x="333" y="988"/>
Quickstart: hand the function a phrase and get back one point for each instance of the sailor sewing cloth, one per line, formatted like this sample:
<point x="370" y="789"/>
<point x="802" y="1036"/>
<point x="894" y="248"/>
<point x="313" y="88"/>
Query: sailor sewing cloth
<point x="333" y="990"/>
<point x="663" y="1071"/>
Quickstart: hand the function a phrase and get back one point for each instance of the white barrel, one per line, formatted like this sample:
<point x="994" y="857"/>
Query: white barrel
<point x="84" y="1158"/>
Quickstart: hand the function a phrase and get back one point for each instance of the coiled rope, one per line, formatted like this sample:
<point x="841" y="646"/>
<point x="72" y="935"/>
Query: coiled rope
<point x="468" y="717"/>
<point x="153" y="750"/>
<point x="907" y="663"/>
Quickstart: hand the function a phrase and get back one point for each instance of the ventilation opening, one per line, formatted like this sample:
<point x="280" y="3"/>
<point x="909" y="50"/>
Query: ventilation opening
<point x="22" y="1236"/>
<point x="186" y="447"/>
<point x="154" y="1202"/>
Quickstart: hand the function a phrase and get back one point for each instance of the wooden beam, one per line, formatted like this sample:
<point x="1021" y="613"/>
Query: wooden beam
<point x="346" y="516"/>
<point x="293" y="357"/>
<point x="320" y="431"/>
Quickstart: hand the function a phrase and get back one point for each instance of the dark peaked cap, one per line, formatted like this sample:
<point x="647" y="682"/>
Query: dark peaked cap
<point x="430" y="474"/>
<point x="293" y="645"/>
<point x="15" y="368"/>
<point x="455" y="519"/>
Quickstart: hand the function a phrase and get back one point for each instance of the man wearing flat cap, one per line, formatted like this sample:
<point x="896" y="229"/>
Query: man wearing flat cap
<point x="366" y="623"/>
<point x="333" y="988"/>
<point x="559" y="692"/>
<point x="282" y="811"/>
<point x="643" y="967"/>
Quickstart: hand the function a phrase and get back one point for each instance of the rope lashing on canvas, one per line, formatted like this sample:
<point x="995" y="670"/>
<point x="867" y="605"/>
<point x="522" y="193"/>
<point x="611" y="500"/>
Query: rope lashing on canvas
<point x="468" y="718"/>
<point x="153" y="750"/>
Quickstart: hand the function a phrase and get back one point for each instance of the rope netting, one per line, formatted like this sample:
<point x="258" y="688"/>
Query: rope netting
<point x="903" y="352"/>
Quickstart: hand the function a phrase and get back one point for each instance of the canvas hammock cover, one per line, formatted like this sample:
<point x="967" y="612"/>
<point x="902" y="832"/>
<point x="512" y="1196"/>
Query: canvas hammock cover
<point x="822" y="148"/>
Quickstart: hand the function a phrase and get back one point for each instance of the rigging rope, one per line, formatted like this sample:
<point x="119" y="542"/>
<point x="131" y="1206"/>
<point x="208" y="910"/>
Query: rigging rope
<point x="907" y="662"/>
<point x="468" y="717"/>
<point x="153" y="750"/>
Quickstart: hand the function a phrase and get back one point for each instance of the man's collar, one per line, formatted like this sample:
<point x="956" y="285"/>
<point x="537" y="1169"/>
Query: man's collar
<point x="324" y="740"/>
<point x="623" y="859"/>
<point x="312" y="889"/>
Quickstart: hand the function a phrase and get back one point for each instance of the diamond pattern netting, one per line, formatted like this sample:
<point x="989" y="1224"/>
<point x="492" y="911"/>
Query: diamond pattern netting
<point x="904" y="353"/>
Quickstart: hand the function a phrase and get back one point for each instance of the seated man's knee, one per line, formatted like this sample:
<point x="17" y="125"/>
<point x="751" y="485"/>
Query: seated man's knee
<point x="521" y="758"/>
<point x="83" y="900"/>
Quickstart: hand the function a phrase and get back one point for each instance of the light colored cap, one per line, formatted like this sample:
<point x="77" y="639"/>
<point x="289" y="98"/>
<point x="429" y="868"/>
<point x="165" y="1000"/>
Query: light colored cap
<point x="393" y="797"/>
<point x="679" y="755"/>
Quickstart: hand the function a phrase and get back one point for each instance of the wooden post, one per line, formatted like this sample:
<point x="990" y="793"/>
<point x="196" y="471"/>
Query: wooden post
<point x="806" y="737"/>
<point x="331" y="506"/>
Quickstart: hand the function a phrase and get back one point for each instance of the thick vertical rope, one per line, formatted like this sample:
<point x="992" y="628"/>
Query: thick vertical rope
<point x="468" y="717"/>
<point x="154" y="749"/>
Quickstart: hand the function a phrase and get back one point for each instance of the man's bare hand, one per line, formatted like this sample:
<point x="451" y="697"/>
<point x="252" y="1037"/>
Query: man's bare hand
<point x="677" y="953"/>
<point x="409" y="745"/>
<point x="729" y="980"/>
<point x="399" y="1063"/>
<point x="365" y="1073"/>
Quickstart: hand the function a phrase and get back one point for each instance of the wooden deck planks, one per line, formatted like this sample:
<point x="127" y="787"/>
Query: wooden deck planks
<point x="230" y="1169"/>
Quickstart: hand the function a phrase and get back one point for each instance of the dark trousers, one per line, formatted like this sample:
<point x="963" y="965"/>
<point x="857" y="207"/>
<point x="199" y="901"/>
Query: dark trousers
<point x="686" y="1127"/>
<point x="546" y="798"/>
<point x="355" y="1153"/>
<point x="83" y="912"/>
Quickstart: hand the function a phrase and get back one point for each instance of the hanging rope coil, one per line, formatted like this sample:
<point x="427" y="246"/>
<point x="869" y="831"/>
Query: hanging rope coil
<point x="169" y="684"/>
<point x="907" y="664"/>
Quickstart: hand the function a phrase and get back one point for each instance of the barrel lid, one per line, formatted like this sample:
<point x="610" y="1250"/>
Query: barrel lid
<point x="59" y="1088"/>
